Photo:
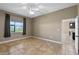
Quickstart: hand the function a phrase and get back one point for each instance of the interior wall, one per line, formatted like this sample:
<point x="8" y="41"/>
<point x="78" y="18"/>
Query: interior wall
<point x="14" y="18"/>
<point x="49" y="26"/>
<point x="29" y="27"/>
<point x="2" y="20"/>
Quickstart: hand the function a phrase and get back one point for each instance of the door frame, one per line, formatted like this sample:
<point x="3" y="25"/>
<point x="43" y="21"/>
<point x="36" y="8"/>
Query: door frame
<point x="76" y="31"/>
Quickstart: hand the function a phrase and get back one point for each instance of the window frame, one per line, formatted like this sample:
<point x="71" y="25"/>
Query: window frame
<point x="13" y="29"/>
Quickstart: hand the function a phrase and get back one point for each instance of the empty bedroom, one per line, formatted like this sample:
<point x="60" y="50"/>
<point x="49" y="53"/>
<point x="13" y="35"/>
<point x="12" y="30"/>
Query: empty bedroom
<point x="39" y="28"/>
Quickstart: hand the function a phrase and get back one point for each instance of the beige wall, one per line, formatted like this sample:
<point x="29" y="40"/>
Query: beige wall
<point x="2" y="20"/>
<point x="49" y="26"/>
<point x="28" y="27"/>
<point x="14" y="18"/>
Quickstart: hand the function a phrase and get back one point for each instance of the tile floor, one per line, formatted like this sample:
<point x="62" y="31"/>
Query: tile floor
<point x="33" y="46"/>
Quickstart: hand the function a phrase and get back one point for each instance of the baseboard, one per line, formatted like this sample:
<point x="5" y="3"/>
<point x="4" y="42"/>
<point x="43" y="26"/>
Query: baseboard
<point x="48" y="40"/>
<point x="2" y="42"/>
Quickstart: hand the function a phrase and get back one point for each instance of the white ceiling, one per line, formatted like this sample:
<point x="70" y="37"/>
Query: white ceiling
<point x="33" y="9"/>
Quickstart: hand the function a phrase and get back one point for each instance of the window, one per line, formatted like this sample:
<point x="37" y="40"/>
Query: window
<point x="12" y="26"/>
<point x="16" y="26"/>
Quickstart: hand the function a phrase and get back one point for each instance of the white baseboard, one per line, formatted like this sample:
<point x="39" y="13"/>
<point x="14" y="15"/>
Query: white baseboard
<point x="2" y="42"/>
<point x="48" y="40"/>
